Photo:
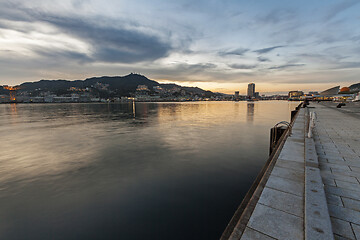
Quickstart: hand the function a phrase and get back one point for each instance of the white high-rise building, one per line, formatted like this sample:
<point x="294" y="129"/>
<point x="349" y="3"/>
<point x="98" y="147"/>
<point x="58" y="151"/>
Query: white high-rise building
<point x="251" y="90"/>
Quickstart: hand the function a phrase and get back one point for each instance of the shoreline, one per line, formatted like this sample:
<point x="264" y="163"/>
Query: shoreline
<point x="165" y="101"/>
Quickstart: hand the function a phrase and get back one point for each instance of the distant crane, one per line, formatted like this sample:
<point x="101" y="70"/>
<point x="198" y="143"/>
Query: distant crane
<point x="12" y="91"/>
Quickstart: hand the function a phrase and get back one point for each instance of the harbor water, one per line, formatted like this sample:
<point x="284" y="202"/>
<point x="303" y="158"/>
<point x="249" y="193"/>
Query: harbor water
<point x="129" y="171"/>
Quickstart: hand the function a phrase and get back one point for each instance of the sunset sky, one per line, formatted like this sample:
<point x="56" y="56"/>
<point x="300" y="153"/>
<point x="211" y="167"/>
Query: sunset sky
<point x="216" y="45"/>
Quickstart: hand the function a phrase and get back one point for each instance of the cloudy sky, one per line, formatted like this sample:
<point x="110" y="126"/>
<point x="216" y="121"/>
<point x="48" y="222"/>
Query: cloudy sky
<point x="216" y="45"/>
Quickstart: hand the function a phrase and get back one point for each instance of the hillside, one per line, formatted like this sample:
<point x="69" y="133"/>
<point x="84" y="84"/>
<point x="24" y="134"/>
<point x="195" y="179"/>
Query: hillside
<point x="125" y="84"/>
<point x="118" y="85"/>
<point x="355" y="87"/>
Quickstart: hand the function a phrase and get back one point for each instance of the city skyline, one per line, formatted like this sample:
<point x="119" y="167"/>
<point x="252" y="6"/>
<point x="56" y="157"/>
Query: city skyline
<point x="218" y="46"/>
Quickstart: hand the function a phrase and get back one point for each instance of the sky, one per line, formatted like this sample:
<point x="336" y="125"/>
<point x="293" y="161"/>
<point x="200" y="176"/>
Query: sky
<point x="216" y="45"/>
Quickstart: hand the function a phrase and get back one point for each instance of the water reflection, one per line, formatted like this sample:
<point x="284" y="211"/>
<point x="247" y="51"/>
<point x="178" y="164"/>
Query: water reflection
<point x="250" y="112"/>
<point x="129" y="171"/>
<point x="134" y="109"/>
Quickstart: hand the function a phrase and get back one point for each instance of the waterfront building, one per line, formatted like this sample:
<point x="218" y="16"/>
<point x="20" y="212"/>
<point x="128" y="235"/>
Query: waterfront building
<point x="251" y="90"/>
<point x="344" y="90"/>
<point x="237" y="94"/>
<point x="314" y="93"/>
<point x="295" y="94"/>
<point x="330" y="91"/>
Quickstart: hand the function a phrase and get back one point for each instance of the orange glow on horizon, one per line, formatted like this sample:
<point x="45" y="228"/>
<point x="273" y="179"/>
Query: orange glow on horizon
<point x="12" y="91"/>
<point x="261" y="87"/>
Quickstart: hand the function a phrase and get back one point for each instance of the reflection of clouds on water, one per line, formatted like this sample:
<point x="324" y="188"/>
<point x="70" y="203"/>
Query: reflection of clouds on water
<point x="52" y="138"/>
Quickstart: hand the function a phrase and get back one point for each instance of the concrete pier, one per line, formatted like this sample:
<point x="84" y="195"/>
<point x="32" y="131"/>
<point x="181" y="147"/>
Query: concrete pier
<point x="337" y="139"/>
<point x="311" y="188"/>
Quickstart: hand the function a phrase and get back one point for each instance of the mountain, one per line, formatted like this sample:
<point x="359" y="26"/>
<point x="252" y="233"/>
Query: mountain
<point x="194" y="90"/>
<point x="125" y="83"/>
<point x="118" y="85"/>
<point x="355" y="87"/>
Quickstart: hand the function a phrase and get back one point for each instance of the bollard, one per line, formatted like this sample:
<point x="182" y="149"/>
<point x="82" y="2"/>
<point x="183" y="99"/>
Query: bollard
<point x="275" y="134"/>
<point x="293" y="114"/>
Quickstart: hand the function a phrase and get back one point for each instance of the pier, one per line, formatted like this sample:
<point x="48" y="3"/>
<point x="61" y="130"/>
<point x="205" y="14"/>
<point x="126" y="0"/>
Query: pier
<point x="310" y="186"/>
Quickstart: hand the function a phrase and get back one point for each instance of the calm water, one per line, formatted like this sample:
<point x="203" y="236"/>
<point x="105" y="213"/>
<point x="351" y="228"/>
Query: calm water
<point x="109" y="171"/>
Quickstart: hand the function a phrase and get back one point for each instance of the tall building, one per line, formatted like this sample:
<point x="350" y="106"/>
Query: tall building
<point x="251" y="90"/>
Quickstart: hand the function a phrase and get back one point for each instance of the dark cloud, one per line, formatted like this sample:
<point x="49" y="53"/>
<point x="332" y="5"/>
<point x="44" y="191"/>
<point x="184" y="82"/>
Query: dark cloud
<point x="110" y="43"/>
<point x="242" y="66"/>
<point x="11" y="11"/>
<point x="62" y="55"/>
<point x="286" y="66"/>
<point x="238" y="51"/>
<point x="263" y="59"/>
<point x="113" y="44"/>
<point x="266" y="50"/>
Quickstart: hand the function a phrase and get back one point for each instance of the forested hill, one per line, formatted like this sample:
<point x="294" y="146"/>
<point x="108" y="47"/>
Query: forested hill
<point x="122" y="85"/>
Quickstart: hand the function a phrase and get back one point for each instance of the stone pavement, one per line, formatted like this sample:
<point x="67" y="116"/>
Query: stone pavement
<point x="279" y="212"/>
<point x="337" y="139"/>
<point x="313" y="189"/>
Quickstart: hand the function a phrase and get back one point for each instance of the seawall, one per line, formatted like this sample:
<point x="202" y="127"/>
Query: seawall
<point x="289" y="199"/>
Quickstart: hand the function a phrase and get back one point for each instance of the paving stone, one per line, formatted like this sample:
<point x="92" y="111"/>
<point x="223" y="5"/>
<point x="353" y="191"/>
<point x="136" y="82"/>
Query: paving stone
<point x="337" y="161"/>
<point x="333" y="176"/>
<point x="345" y="214"/>
<point x="290" y="164"/>
<point x="286" y="185"/>
<point x="356" y="229"/>
<point x="293" y="151"/>
<point x="334" y="200"/>
<point x="355" y="169"/>
<point x="342" y="228"/>
<point x="351" y="203"/>
<point x="251" y="234"/>
<point x="347" y="185"/>
<point x="276" y="223"/>
<point x="324" y="167"/>
<point x="296" y="175"/>
<point x="329" y="182"/>
<point x="317" y="220"/>
<point x="342" y="166"/>
<point x="282" y="201"/>
<point x="337" y="146"/>
<point x="354" y="158"/>
<point x="346" y="173"/>
<point x="290" y="155"/>
<point x="337" y="237"/>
